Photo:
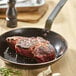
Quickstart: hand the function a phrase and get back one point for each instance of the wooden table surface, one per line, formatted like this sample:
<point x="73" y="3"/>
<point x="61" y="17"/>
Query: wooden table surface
<point x="65" y="25"/>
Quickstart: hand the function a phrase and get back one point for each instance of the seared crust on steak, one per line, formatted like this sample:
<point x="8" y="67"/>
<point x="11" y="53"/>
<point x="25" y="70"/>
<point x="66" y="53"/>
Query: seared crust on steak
<point x="34" y="47"/>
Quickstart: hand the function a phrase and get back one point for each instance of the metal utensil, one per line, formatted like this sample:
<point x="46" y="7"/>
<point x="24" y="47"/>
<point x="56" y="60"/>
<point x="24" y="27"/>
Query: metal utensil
<point x="54" y="13"/>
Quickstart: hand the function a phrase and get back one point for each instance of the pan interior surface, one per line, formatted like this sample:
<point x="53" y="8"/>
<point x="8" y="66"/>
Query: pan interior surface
<point x="10" y="55"/>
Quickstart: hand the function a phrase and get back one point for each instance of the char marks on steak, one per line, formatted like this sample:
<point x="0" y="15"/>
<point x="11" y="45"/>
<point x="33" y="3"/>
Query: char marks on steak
<point x="34" y="47"/>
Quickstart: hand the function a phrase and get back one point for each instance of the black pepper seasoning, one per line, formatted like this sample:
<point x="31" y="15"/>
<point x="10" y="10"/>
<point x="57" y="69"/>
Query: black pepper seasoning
<point x="11" y="14"/>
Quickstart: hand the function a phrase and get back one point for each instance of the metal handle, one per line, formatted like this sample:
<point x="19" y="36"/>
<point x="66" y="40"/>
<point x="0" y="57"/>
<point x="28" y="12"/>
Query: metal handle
<point x="54" y="14"/>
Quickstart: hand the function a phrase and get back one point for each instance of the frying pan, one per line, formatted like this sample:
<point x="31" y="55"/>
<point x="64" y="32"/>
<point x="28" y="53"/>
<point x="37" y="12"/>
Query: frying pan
<point x="59" y="43"/>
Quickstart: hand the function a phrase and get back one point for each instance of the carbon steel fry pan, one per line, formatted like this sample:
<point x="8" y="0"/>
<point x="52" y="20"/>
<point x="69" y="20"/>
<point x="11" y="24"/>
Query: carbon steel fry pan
<point x="59" y="43"/>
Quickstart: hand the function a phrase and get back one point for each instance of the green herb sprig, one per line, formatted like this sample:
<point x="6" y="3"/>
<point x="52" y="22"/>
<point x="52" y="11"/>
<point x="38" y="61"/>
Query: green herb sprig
<point x="9" y="72"/>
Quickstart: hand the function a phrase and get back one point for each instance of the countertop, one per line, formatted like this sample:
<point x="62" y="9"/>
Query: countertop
<point x="65" y="25"/>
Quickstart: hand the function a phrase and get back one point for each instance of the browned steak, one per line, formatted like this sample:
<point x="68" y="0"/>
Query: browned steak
<point x="34" y="47"/>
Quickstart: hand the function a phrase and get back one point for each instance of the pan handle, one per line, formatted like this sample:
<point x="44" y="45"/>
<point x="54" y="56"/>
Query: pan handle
<point x="54" y="14"/>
